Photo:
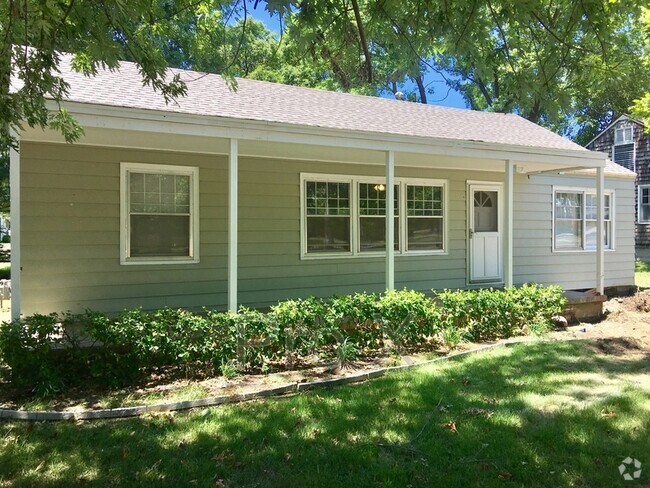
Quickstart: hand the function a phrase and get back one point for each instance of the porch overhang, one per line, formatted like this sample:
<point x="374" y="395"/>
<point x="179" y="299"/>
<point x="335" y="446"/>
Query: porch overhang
<point x="111" y="126"/>
<point x="150" y="129"/>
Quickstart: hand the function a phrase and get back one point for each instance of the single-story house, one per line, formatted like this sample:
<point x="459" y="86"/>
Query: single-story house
<point x="267" y="192"/>
<point x="627" y="143"/>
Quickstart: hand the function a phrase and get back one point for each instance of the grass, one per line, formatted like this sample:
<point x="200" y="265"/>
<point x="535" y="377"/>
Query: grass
<point x="642" y="274"/>
<point x="537" y="414"/>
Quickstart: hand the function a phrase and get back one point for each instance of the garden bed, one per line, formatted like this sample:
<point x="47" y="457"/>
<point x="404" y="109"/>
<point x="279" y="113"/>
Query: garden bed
<point x="147" y="357"/>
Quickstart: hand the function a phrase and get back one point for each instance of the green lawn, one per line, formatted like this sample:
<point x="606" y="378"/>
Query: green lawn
<point x="642" y="274"/>
<point x="539" y="414"/>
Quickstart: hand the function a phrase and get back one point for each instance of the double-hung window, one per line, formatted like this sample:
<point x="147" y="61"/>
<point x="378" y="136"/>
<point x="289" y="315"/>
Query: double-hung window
<point x="644" y="203"/>
<point x="346" y="216"/>
<point x="372" y="217"/>
<point x="424" y="212"/>
<point x="327" y="212"/>
<point x="159" y="214"/>
<point x="575" y="220"/>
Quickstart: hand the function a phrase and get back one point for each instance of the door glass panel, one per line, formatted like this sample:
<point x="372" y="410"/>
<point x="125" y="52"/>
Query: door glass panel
<point x="486" y="211"/>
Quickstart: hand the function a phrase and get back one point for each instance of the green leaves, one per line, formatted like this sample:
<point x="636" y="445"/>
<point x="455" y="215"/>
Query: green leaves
<point x="44" y="355"/>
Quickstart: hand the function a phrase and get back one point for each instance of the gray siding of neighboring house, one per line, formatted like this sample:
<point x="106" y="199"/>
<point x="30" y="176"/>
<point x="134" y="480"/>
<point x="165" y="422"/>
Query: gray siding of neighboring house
<point x="71" y="217"/>
<point x="604" y="143"/>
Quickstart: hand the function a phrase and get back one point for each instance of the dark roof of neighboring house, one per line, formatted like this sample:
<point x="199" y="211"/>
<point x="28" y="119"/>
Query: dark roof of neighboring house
<point x="209" y="95"/>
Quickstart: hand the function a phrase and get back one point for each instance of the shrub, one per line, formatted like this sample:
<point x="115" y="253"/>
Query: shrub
<point x="302" y="328"/>
<point x="489" y="314"/>
<point x="356" y="316"/>
<point x="45" y="356"/>
<point x="28" y="347"/>
<point x="409" y="317"/>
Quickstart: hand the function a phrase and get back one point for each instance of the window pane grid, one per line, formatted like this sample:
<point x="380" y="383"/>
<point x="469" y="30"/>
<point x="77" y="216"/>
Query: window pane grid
<point x="372" y="199"/>
<point x="327" y="198"/>
<point x="423" y="201"/>
<point x="159" y="193"/>
<point x="591" y="210"/>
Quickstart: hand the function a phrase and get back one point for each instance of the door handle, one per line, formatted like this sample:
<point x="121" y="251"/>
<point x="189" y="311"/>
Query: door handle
<point x="471" y="233"/>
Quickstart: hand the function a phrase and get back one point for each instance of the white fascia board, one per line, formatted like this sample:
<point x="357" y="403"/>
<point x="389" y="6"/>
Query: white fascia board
<point x="102" y="116"/>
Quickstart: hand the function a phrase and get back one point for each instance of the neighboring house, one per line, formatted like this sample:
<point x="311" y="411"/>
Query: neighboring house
<point x="626" y="143"/>
<point x="271" y="192"/>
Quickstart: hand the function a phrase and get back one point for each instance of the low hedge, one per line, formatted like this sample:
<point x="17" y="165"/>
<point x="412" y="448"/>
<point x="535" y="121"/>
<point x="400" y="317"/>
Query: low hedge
<point x="44" y="356"/>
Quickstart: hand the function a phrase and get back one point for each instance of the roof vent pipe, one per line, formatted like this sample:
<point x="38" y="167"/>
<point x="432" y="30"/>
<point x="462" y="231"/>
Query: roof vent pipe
<point x="399" y="96"/>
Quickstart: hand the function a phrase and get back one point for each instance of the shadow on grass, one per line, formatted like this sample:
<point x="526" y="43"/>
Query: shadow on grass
<point x="485" y="420"/>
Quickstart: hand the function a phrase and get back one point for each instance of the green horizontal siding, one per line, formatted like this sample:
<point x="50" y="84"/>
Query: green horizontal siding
<point x="71" y="218"/>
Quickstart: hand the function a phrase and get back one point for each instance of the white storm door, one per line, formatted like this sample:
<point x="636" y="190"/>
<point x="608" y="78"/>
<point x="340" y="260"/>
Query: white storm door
<point x="484" y="233"/>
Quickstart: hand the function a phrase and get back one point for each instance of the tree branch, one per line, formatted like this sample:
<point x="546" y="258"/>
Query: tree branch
<point x="362" y="38"/>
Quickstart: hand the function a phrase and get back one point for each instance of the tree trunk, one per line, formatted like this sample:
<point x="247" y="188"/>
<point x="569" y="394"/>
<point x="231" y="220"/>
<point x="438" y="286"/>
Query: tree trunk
<point x="421" y="89"/>
<point x="362" y="38"/>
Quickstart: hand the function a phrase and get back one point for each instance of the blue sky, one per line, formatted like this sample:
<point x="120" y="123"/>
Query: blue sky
<point x="442" y="95"/>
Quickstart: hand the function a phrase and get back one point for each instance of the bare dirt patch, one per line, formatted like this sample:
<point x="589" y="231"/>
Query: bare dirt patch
<point x="624" y="331"/>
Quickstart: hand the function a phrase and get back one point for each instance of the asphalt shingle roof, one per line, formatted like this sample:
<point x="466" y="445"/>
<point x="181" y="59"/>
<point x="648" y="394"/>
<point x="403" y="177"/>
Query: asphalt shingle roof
<point x="209" y="95"/>
<point x="611" y="169"/>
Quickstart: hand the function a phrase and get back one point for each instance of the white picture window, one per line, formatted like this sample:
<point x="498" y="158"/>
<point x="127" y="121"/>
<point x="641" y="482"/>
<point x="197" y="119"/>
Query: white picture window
<point x="346" y="216"/>
<point x="159" y="213"/>
<point x="644" y="203"/>
<point x="575" y="220"/>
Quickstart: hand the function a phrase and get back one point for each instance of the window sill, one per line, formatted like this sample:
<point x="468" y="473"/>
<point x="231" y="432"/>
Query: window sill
<point x="311" y="257"/>
<point x="158" y="261"/>
<point x="578" y="251"/>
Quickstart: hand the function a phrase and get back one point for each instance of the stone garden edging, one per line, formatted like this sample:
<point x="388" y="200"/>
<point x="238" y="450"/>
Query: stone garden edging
<point x="124" y="412"/>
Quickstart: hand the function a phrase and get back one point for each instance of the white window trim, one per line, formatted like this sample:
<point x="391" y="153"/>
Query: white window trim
<point x="639" y="203"/>
<point x="354" y="181"/>
<point x="193" y="173"/>
<point x="584" y="191"/>
<point x="624" y="141"/>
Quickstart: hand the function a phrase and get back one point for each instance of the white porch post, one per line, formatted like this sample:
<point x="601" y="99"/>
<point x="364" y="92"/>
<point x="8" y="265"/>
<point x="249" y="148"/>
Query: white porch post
<point x="233" y="160"/>
<point x="390" y="220"/>
<point x="600" y="218"/>
<point x="14" y="184"/>
<point x="508" y="215"/>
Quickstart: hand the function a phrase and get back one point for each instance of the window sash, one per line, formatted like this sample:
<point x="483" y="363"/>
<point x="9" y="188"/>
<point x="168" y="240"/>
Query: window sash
<point x="372" y="217"/>
<point x="644" y="204"/>
<point x="575" y="222"/>
<point x="623" y="135"/>
<point x="159" y="214"/>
